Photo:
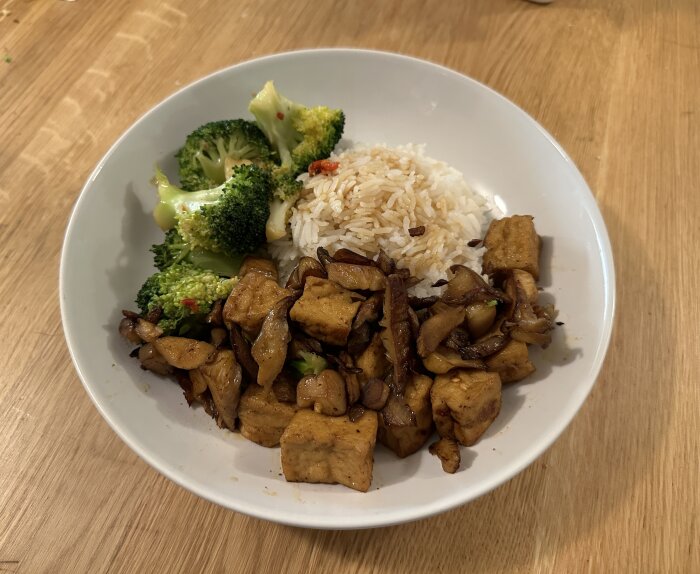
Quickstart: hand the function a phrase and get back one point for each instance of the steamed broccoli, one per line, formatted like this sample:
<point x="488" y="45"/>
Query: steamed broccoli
<point x="175" y="249"/>
<point x="184" y="293"/>
<point x="208" y="149"/>
<point x="228" y="219"/>
<point x="300" y="135"/>
<point x="309" y="364"/>
<point x="286" y="192"/>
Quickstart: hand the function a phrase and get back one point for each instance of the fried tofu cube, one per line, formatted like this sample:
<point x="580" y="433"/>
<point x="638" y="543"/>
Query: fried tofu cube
<point x="262" y="417"/>
<point x="512" y="362"/>
<point x="325" y="310"/>
<point x="465" y="403"/>
<point x="405" y="440"/>
<point x="331" y="450"/>
<point x="251" y="300"/>
<point x="512" y="243"/>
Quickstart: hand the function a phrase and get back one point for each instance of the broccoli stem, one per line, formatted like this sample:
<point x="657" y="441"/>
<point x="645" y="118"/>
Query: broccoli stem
<point x="174" y="200"/>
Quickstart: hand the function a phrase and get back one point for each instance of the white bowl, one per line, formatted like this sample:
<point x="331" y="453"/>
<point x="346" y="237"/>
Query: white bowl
<point x="387" y="98"/>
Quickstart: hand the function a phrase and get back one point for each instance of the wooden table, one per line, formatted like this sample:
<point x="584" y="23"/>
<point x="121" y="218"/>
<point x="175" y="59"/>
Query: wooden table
<point x="616" y="82"/>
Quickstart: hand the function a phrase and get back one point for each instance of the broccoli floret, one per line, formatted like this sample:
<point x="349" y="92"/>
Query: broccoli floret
<point x="175" y="249"/>
<point x="300" y="135"/>
<point x="228" y="219"/>
<point x="184" y="293"/>
<point x="309" y="364"/>
<point x="207" y="150"/>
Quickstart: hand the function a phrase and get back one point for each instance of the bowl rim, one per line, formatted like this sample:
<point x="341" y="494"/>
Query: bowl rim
<point x="409" y="513"/>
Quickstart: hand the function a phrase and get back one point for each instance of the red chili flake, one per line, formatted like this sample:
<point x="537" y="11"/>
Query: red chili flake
<point x="191" y="304"/>
<point x="280" y="116"/>
<point x="324" y="166"/>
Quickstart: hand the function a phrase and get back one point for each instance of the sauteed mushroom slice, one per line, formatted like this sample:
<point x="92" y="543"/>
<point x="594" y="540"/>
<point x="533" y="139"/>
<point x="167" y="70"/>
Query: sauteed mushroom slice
<point x="356" y="277"/>
<point x="307" y="267"/>
<point x="285" y="388"/>
<point x="444" y="359"/>
<point x="397" y="413"/>
<point x="467" y="286"/>
<point x="324" y="257"/>
<point x="373" y="361"/>
<point x="480" y="317"/>
<point x="250" y="301"/>
<point x="351" y="375"/>
<point x="223" y="377"/>
<point x="152" y="360"/>
<point x="324" y="392"/>
<point x="397" y="331"/>
<point x="418" y="303"/>
<point x="184" y="353"/>
<point x="347" y="256"/>
<point x="375" y="394"/>
<point x="215" y="317"/>
<point x="260" y="265"/>
<point x="270" y="348"/>
<point x="385" y="263"/>
<point x="370" y="310"/>
<point x="447" y="450"/>
<point x="127" y="329"/>
<point x="435" y="329"/>
<point x="241" y="347"/>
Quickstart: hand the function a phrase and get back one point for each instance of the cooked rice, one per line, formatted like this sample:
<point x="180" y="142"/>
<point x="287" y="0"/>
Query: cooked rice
<point x="372" y="200"/>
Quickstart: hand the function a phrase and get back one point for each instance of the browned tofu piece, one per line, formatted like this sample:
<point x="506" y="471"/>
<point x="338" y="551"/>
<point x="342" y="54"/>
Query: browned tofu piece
<point x="251" y="300"/>
<point x="405" y="440"/>
<point x="465" y="403"/>
<point x="321" y="448"/>
<point x="512" y="362"/>
<point x="512" y="243"/>
<point x="325" y="310"/>
<point x="262" y="417"/>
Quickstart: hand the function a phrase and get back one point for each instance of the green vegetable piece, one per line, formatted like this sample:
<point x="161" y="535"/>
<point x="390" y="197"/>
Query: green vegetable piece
<point x="227" y="219"/>
<point x="299" y="134"/>
<point x="203" y="157"/>
<point x="184" y="293"/>
<point x="174" y="249"/>
<point x="309" y="364"/>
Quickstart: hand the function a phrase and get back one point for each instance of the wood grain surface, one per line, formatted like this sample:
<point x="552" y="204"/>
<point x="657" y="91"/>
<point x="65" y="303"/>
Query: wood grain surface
<point x="616" y="82"/>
